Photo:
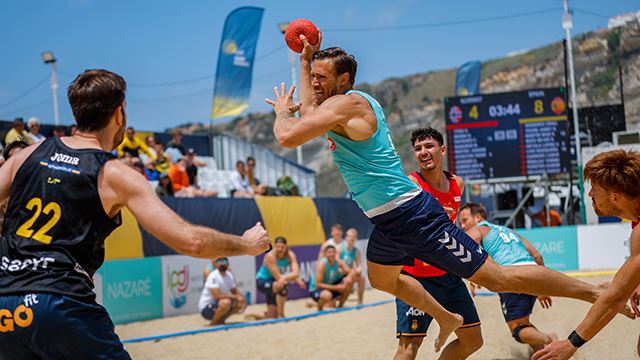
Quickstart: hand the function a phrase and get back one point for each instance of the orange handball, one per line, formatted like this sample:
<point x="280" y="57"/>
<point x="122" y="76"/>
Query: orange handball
<point x="300" y="27"/>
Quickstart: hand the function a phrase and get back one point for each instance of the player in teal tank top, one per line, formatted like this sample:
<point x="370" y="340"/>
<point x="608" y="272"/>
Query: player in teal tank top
<point x="408" y="223"/>
<point x="350" y="254"/>
<point x="507" y="248"/>
<point x="332" y="281"/>
<point x="279" y="268"/>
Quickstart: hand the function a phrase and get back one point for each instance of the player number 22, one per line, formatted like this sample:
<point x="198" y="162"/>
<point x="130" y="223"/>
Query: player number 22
<point x="26" y="230"/>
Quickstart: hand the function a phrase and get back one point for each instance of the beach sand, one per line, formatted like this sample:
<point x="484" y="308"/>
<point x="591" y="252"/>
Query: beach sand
<point x="366" y="334"/>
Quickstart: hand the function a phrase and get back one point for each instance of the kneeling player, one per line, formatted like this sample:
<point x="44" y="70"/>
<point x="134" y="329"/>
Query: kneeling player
<point x="332" y="281"/>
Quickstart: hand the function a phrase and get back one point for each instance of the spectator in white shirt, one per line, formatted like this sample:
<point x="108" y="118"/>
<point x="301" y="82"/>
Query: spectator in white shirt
<point x="240" y="181"/>
<point x="34" y="130"/>
<point x="220" y="297"/>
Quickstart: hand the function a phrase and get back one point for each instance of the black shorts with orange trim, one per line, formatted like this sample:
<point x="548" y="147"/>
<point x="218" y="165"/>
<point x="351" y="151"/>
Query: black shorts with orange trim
<point x="450" y="291"/>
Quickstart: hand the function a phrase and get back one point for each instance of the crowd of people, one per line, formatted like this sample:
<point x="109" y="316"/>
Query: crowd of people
<point x="172" y="165"/>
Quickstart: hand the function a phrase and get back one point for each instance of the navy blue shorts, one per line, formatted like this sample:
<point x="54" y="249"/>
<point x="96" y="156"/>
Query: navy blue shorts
<point x="516" y="306"/>
<point x="266" y="287"/>
<point x="450" y="291"/>
<point x="315" y="294"/>
<point x="421" y="229"/>
<point x="48" y="326"/>
<point x="208" y="311"/>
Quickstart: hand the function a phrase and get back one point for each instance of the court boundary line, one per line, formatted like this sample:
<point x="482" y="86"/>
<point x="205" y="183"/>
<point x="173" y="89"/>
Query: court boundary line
<point x="315" y="314"/>
<point x="254" y="323"/>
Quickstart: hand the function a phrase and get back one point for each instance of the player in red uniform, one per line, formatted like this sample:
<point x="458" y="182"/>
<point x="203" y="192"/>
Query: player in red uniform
<point x="448" y="289"/>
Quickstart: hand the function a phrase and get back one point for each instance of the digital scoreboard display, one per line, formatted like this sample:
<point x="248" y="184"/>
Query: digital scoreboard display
<point x="508" y="135"/>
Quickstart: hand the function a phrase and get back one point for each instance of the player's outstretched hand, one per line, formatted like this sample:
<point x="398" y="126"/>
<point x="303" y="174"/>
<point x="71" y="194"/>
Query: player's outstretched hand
<point x="545" y="301"/>
<point x="283" y="104"/>
<point x="256" y="240"/>
<point x="309" y="50"/>
<point x="557" y="350"/>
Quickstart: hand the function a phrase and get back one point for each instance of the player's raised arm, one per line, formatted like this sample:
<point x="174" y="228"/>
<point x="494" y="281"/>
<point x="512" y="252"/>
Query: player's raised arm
<point x="307" y="98"/>
<point x="122" y="186"/>
<point x="291" y="132"/>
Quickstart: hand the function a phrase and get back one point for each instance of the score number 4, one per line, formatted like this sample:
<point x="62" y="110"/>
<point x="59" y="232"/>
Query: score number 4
<point x="26" y="230"/>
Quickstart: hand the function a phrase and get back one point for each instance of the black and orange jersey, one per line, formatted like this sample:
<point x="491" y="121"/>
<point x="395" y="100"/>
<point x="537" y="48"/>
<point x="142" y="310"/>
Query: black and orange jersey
<point x="55" y="225"/>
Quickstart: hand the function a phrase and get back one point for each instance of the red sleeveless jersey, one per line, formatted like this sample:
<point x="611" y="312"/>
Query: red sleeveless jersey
<point x="451" y="199"/>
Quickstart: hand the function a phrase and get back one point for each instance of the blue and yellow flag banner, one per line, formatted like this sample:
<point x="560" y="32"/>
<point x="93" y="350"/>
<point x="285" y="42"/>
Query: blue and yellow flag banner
<point x="235" y="62"/>
<point x="468" y="79"/>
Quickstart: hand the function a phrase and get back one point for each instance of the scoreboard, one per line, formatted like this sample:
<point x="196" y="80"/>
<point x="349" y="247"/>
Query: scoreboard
<point x="508" y="135"/>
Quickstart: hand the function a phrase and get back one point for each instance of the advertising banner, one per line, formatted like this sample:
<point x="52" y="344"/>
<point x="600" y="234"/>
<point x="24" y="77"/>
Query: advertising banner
<point x="604" y="246"/>
<point x="235" y="61"/>
<point x="557" y="245"/>
<point x="182" y="283"/>
<point x="244" y="270"/>
<point x="132" y="289"/>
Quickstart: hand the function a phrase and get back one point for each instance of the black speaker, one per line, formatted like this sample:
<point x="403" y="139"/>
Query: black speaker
<point x="508" y="200"/>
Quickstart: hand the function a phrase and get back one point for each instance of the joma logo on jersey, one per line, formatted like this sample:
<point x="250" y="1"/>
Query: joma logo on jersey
<point x="414" y="312"/>
<point x="63" y="158"/>
<point x="22" y="316"/>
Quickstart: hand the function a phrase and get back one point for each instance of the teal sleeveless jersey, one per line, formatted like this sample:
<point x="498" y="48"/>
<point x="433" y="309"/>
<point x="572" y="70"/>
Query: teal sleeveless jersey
<point x="331" y="274"/>
<point x="504" y="246"/>
<point x="348" y="257"/>
<point x="372" y="168"/>
<point x="283" y="266"/>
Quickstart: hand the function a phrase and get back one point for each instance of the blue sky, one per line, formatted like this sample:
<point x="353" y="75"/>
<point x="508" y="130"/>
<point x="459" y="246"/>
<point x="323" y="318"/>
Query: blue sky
<point x="160" y="42"/>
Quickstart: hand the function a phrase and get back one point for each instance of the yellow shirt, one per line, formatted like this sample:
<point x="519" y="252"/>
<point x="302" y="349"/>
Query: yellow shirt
<point x="134" y="145"/>
<point x="13" y="135"/>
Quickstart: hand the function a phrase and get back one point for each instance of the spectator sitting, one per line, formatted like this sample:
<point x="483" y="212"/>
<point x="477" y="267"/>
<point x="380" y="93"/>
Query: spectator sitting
<point x="554" y="216"/>
<point x="332" y="280"/>
<point x="73" y="129"/>
<point x="132" y="145"/>
<point x="254" y="182"/>
<point x="279" y="268"/>
<point x="58" y="131"/>
<point x="17" y="133"/>
<point x="162" y="163"/>
<point x="139" y="167"/>
<point x="12" y="148"/>
<point x="220" y="297"/>
<point x="241" y="188"/>
<point x="192" y="166"/>
<point x="335" y="239"/>
<point x="180" y="180"/>
<point x="352" y="257"/>
<point x="34" y="130"/>
<point x="165" y="187"/>
<point x="174" y="148"/>
<point x="287" y="187"/>
<point x="151" y="154"/>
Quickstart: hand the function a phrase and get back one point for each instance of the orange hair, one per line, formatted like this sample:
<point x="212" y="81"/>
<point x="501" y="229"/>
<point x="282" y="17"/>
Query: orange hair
<point x="615" y="170"/>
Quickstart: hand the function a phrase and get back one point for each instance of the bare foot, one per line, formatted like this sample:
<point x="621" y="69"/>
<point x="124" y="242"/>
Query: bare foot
<point x="446" y="328"/>
<point x="310" y="303"/>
